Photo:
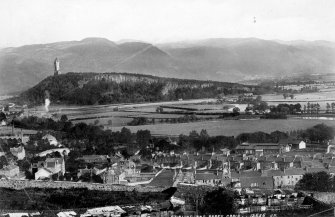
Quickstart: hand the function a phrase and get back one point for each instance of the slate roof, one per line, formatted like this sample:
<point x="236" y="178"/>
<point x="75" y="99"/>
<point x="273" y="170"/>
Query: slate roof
<point x="206" y="176"/>
<point x="245" y="174"/>
<point x="294" y="171"/>
<point x="247" y="146"/>
<point x="271" y="173"/>
<point x="94" y="158"/>
<point x="290" y="141"/>
<point x="263" y="182"/>
<point x="316" y="170"/>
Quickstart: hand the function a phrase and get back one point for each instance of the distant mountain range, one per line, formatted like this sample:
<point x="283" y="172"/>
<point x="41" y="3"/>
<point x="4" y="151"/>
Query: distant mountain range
<point x="219" y="59"/>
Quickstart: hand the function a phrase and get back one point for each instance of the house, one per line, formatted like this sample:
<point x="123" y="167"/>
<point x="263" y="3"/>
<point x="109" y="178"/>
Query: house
<point x="43" y="173"/>
<point x="285" y="162"/>
<point x="128" y="166"/>
<point x="258" y="149"/>
<point x="245" y="148"/>
<point x="225" y="152"/>
<point x="3" y="122"/>
<point x="10" y="171"/>
<point x="18" y="152"/>
<point x="113" y="176"/>
<point x="19" y="137"/>
<point x="257" y="182"/>
<point x="95" y="159"/>
<point x="51" y="139"/>
<point x="207" y="178"/>
<point x="272" y="173"/>
<point x="55" y="165"/>
<point x="266" y="163"/>
<point x="62" y="151"/>
<point x="293" y="143"/>
<point x="49" y="167"/>
<point x="289" y="177"/>
<point x="236" y="176"/>
<point x="316" y="170"/>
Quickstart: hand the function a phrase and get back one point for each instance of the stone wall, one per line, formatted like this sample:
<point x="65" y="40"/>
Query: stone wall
<point x="21" y="184"/>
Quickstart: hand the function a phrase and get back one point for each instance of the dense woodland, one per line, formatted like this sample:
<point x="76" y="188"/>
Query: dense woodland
<point x="82" y="89"/>
<point x="321" y="181"/>
<point x="54" y="199"/>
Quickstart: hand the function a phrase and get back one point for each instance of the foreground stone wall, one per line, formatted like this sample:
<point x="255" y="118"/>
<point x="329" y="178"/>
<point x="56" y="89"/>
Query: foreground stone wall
<point x="21" y="184"/>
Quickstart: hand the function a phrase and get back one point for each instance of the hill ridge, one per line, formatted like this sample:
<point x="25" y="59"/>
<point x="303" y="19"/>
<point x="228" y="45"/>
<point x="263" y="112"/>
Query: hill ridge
<point x="221" y="59"/>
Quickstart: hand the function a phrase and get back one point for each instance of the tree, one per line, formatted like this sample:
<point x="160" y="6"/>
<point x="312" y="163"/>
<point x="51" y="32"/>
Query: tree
<point x="125" y="136"/>
<point x="236" y="110"/>
<point x="63" y="118"/>
<point x="308" y="107"/>
<point x="258" y="99"/>
<point x="319" y="133"/>
<point x="219" y="201"/>
<point x="204" y="135"/>
<point x="96" y="122"/>
<point x="143" y="138"/>
<point x="159" y="109"/>
<point x="3" y="161"/>
<point x="2" y="116"/>
<point x="327" y="107"/>
<point x="320" y="181"/>
<point x="194" y="135"/>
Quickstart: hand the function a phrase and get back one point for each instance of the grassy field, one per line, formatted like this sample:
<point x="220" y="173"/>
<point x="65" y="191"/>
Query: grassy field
<point x="230" y="127"/>
<point x="122" y="116"/>
<point x="7" y="130"/>
<point x="321" y="97"/>
<point x="126" y="112"/>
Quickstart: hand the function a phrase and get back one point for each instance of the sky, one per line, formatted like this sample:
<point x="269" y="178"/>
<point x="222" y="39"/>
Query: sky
<point x="157" y="21"/>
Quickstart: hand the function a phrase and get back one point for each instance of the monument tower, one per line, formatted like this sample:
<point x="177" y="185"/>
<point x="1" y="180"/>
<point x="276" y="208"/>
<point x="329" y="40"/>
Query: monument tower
<point x="56" y="67"/>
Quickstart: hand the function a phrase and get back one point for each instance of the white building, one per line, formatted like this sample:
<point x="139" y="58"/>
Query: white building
<point x="18" y="152"/>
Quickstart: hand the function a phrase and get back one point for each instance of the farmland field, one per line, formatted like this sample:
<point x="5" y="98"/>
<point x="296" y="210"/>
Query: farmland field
<point x="321" y="97"/>
<point x="7" y="130"/>
<point x="117" y="116"/>
<point x="230" y="127"/>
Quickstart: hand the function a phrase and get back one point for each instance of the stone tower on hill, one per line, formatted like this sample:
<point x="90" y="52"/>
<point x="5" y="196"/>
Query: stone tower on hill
<point x="56" y="67"/>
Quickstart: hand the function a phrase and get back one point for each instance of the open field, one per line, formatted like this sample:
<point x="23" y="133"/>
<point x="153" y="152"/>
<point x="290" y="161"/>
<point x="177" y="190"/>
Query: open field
<point x="230" y="127"/>
<point x="7" y="130"/>
<point x="322" y="97"/>
<point x="116" y="116"/>
<point x="122" y="114"/>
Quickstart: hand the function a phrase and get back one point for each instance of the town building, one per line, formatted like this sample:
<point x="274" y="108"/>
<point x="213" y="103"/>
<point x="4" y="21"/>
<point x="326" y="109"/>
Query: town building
<point x="95" y="159"/>
<point x="294" y="144"/>
<point x="258" y="149"/>
<point x="49" y="167"/>
<point x="51" y="139"/>
<point x="289" y="177"/>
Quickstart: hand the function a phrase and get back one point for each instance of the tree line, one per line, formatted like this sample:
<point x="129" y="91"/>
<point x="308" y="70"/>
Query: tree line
<point x="69" y="88"/>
